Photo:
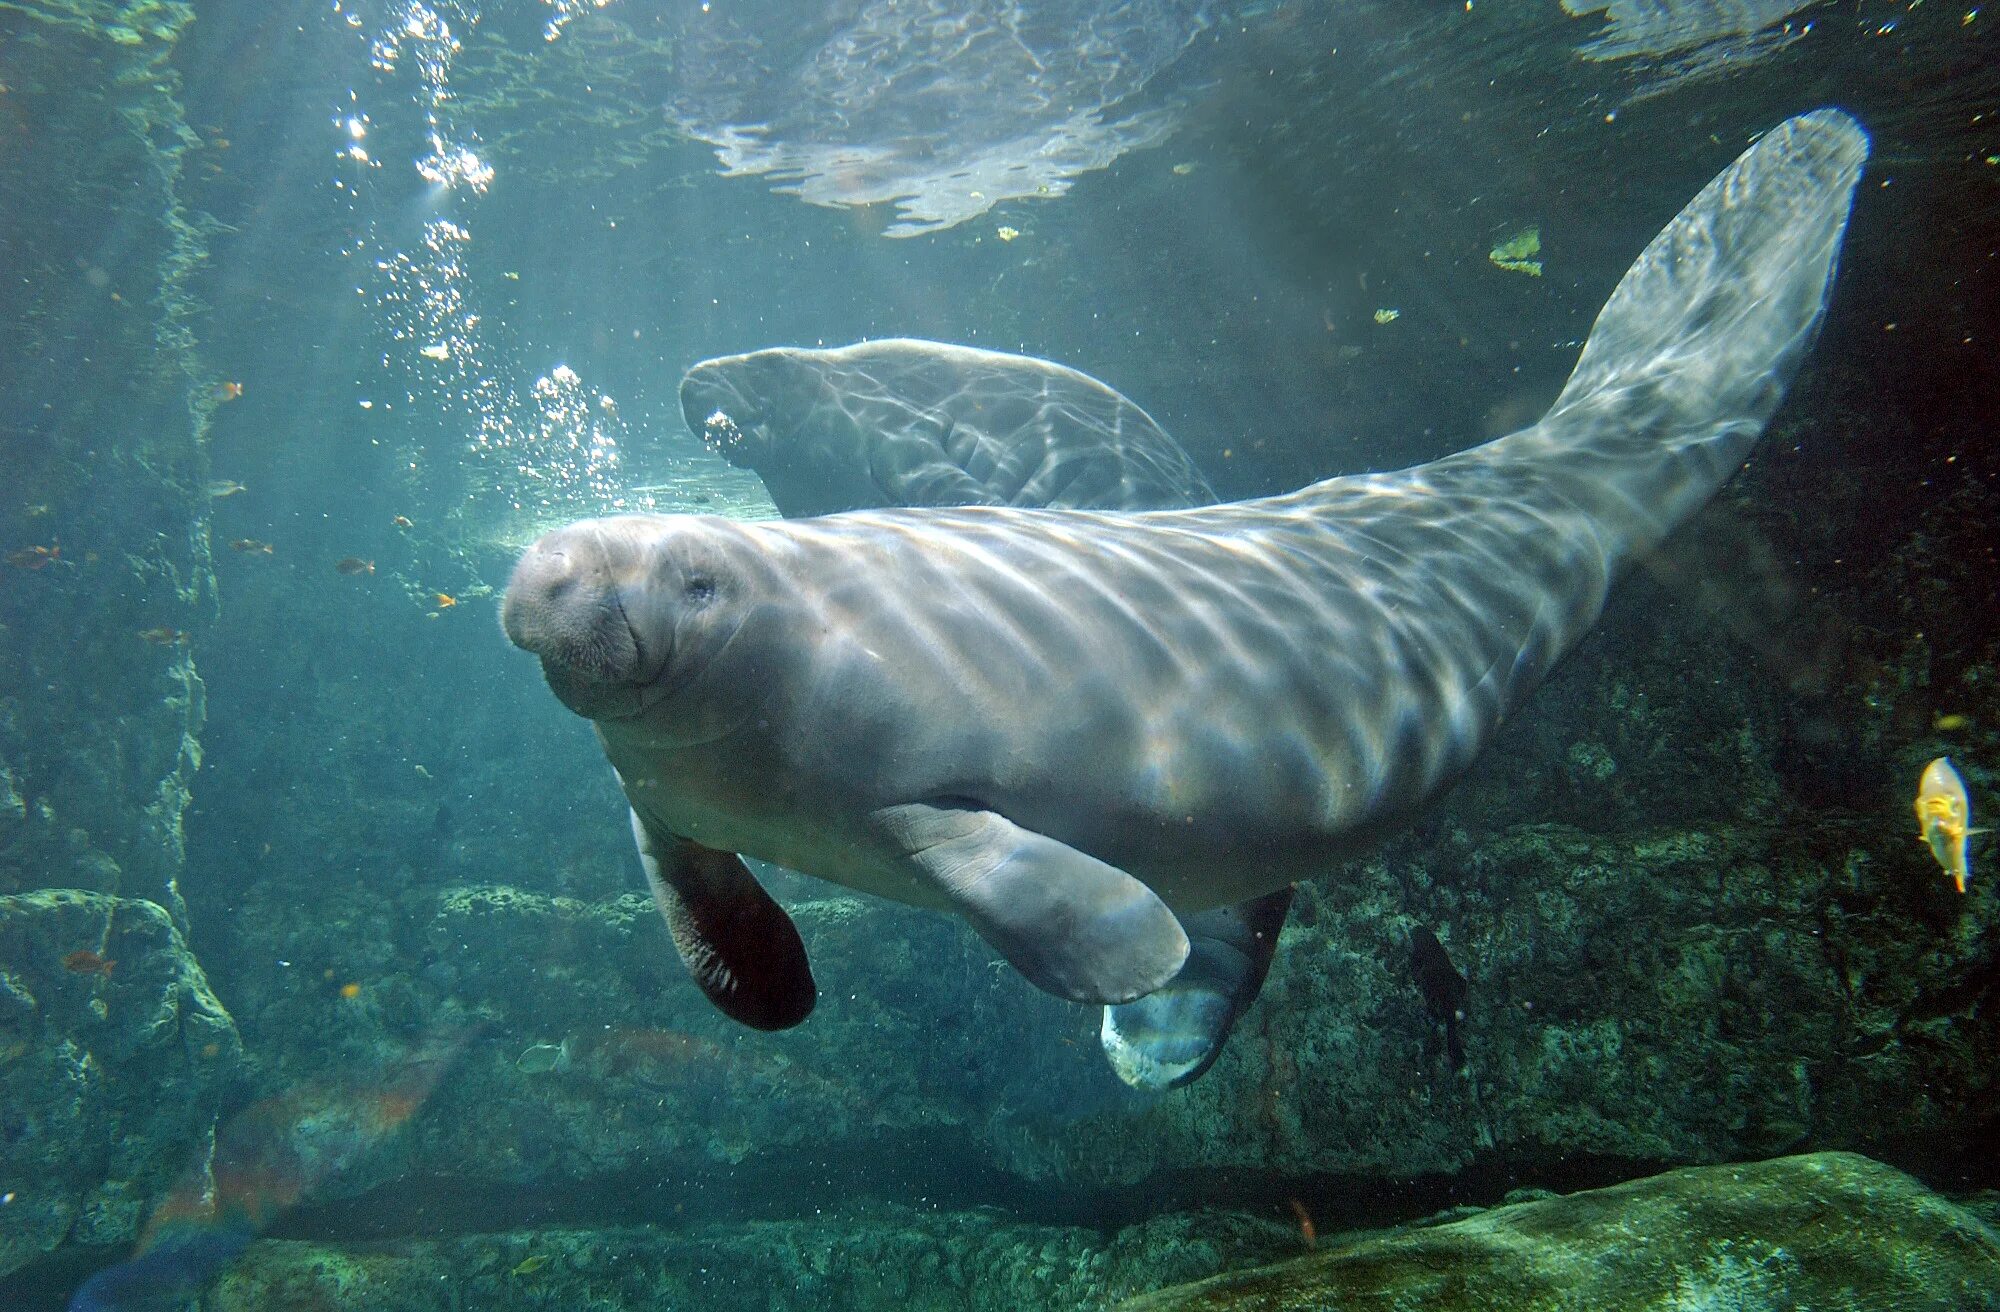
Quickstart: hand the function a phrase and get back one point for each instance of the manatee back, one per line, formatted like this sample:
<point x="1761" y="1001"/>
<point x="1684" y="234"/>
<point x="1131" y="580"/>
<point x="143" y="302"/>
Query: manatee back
<point x="905" y="422"/>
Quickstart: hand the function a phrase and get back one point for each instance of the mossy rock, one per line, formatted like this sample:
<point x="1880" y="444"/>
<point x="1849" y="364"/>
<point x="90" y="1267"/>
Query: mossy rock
<point x="1828" y="1230"/>
<point x="112" y="1066"/>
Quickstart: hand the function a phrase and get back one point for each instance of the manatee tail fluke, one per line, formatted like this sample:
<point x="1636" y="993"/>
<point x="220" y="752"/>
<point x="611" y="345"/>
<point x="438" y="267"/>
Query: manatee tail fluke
<point x="1690" y="357"/>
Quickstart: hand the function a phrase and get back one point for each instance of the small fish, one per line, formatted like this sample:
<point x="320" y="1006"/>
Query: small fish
<point x="1444" y="989"/>
<point x="1944" y="817"/>
<point x="85" y="962"/>
<point x="228" y="392"/>
<point x="1950" y="723"/>
<point x="223" y="488"/>
<point x="1184" y="168"/>
<point x="1307" y="1231"/>
<point x="1005" y="233"/>
<point x="350" y="990"/>
<point x="352" y="565"/>
<point x="162" y="636"/>
<point x="402" y="521"/>
<point x="531" y="1264"/>
<point x="251" y="546"/>
<point x="1387" y="314"/>
<point x="444" y="600"/>
<point x="435" y="351"/>
<point x="37" y="511"/>
<point x="34" y="557"/>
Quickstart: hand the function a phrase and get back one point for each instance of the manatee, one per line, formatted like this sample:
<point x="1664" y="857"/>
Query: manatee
<point x="1074" y="728"/>
<point x="913" y="423"/>
<point x="907" y="422"/>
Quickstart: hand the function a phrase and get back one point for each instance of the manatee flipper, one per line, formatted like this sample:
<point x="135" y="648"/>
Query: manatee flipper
<point x="739" y="945"/>
<point x="1172" y="1035"/>
<point x="1076" y="927"/>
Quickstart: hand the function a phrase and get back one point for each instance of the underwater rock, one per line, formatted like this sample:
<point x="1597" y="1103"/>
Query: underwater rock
<point x="114" y="1056"/>
<point x="1676" y="997"/>
<point x="600" y="1057"/>
<point x="103" y="456"/>
<point x="975" y="1261"/>
<point x="1831" y="1230"/>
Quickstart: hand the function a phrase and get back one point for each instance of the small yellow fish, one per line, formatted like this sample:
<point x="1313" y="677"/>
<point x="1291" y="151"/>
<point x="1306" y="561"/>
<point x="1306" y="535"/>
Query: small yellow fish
<point x="444" y="600"/>
<point x="1944" y="817"/>
<point x="531" y="1264"/>
<point x="1005" y="233"/>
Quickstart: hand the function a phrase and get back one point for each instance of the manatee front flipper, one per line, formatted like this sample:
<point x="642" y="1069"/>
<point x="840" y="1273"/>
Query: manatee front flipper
<point x="1079" y="928"/>
<point x="1172" y="1035"/>
<point x="739" y="945"/>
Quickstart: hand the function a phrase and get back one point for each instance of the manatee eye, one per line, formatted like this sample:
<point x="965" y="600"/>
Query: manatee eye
<point x="700" y="588"/>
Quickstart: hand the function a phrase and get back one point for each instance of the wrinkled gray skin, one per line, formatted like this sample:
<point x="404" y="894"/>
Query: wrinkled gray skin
<point x="1074" y="727"/>
<point x="913" y="423"/>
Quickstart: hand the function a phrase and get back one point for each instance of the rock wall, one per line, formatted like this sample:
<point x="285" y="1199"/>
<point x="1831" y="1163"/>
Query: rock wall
<point x="104" y="524"/>
<point x="113" y="1066"/>
<point x="110" y="1075"/>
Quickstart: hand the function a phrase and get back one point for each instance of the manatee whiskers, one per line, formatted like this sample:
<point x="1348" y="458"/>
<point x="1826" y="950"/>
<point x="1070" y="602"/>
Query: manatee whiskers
<point x="1110" y="739"/>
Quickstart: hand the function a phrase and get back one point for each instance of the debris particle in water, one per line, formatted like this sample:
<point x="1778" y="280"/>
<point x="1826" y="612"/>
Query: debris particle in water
<point x="1517" y="253"/>
<point x="540" y="1059"/>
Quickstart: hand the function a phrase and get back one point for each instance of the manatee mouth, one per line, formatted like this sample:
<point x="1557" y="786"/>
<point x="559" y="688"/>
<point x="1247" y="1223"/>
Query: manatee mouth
<point x="720" y="434"/>
<point x="729" y="420"/>
<point x="563" y="604"/>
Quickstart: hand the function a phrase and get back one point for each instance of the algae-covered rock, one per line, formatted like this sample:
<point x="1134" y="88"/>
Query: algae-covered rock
<point x="1673" y="997"/>
<point x="114" y="1056"/>
<point x="976" y="1261"/>
<point x="1831" y="1230"/>
<point x="599" y="1056"/>
<point x="103" y="455"/>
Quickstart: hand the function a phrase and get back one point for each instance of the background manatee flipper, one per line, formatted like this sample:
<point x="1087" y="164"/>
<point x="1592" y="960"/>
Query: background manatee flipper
<point x="740" y="946"/>
<point x="1173" y="1034"/>
<point x="1079" y="928"/>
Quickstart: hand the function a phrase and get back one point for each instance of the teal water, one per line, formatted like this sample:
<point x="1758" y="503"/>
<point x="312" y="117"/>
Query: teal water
<point x="327" y="974"/>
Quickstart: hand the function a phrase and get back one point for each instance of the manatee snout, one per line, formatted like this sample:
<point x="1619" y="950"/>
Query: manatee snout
<point x="564" y="604"/>
<point x="716" y="410"/>
<point x="738" y="405"/>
